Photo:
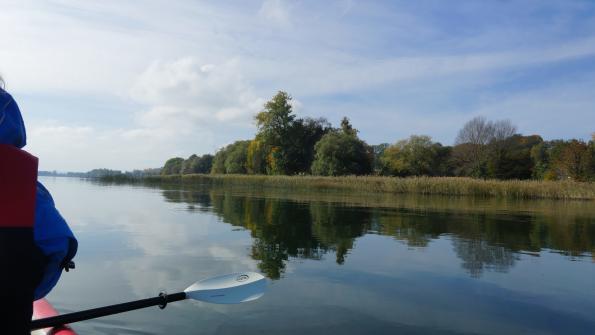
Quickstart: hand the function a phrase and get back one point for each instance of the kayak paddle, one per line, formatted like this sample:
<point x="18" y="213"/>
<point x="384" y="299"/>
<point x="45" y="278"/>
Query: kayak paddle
<point x="229" y="289"/>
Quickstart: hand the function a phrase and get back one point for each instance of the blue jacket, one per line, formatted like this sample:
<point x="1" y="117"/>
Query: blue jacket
<point x="51" y="232"/>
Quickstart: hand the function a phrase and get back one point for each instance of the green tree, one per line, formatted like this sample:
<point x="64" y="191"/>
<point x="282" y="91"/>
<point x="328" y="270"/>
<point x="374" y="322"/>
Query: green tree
<point x="219" y="161"/>
<point x="204" y="164"/>
<point x="172" y="166"/>
<point x="305" y="133"/>
<point x="415" y="156"/>
<point x="443" y="161"/>
<point x="231" y="159"/>
<point x="510" y="158"/>
<point x="552" y="153"/>
<point x="237" y="153"/>
<point x="347" y="128"/>
<point x="274" y="125"/>
<point x="341" y="152"/>
<point x="275" y="120"/>
<point x="188" y="165"/>
<point x="378" y="166"/>
<point x="285" y="142"/>
<point x="540" y="158"/>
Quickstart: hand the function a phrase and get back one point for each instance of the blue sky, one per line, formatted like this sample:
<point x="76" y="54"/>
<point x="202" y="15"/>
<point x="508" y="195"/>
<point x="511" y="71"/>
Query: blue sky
<point x="128" y="84"/>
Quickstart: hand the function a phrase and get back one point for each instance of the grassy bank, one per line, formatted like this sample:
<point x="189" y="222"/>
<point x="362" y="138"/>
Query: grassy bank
<point x="457" y="186"/>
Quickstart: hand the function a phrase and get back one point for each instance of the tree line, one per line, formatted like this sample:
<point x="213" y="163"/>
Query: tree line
<point x="287" y="145"/>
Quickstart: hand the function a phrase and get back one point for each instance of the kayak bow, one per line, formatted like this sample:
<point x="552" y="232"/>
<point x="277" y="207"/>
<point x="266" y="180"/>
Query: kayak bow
<point x="43" y="309"/>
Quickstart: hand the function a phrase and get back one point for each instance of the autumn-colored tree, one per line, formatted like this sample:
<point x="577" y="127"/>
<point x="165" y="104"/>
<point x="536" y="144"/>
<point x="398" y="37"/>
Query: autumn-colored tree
<point x="574" y="161"/>
<point x="256" y="162"/>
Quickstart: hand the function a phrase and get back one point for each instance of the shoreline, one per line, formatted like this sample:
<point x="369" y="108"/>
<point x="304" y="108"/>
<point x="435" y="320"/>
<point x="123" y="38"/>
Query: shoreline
<point x="445" y="186"/>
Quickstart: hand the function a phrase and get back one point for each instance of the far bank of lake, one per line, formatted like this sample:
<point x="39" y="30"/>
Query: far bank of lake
<point x="451" y="186"/>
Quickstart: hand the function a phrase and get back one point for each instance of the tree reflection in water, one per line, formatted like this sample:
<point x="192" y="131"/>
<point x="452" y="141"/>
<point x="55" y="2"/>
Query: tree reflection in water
<point x="484" y="241"/>
<point x="478" y="255"/>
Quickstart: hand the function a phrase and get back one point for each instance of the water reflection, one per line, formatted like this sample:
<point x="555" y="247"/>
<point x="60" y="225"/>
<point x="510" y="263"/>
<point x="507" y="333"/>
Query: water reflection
<point x="350" y="263"/>
<point x="488" y="239"/>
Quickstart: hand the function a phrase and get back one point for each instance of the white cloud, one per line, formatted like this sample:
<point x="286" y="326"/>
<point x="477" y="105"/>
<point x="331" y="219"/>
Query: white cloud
<point x="189" y="91"/>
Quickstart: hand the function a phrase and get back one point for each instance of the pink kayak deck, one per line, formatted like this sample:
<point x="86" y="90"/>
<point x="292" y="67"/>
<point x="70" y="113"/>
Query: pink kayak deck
<point x="43" y="309"/>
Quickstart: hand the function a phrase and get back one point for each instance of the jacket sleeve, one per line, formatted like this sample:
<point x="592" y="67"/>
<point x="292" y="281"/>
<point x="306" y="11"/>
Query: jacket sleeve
<point x="54" y="238"/>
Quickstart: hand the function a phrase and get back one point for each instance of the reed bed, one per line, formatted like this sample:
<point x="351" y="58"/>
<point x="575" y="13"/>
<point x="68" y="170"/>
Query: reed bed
<point x="455" y="186"/>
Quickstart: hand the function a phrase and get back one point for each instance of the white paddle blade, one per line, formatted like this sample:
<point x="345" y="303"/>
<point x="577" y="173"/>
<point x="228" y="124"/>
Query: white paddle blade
<point x="229" y="289"/>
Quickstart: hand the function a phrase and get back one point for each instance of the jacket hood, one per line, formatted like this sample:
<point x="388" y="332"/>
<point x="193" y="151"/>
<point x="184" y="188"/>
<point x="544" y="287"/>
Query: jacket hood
<point x="12" y="127"/>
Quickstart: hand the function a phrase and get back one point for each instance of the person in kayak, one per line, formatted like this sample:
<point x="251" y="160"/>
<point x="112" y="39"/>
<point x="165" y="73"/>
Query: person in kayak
<point x="54" y="243"/>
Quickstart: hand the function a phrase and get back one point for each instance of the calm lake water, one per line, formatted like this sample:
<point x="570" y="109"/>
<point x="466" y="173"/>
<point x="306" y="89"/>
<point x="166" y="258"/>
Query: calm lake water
<point x="336" y="263"/>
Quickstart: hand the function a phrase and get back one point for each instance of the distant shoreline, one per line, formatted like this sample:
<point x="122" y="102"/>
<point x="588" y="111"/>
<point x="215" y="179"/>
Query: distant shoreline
<point x="449" y="186"/>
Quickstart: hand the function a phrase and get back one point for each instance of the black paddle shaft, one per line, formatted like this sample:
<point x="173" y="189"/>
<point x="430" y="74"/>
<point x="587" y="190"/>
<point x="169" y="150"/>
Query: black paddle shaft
<point x="60" y="320"/>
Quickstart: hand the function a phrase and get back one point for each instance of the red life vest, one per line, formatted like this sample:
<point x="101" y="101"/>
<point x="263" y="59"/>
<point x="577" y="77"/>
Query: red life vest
<point x="18" y="177"/>
<point x="20" y="268"/>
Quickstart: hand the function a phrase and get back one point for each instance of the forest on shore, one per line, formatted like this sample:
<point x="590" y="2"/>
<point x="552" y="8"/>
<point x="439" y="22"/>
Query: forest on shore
<point x="287" y="145"/>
